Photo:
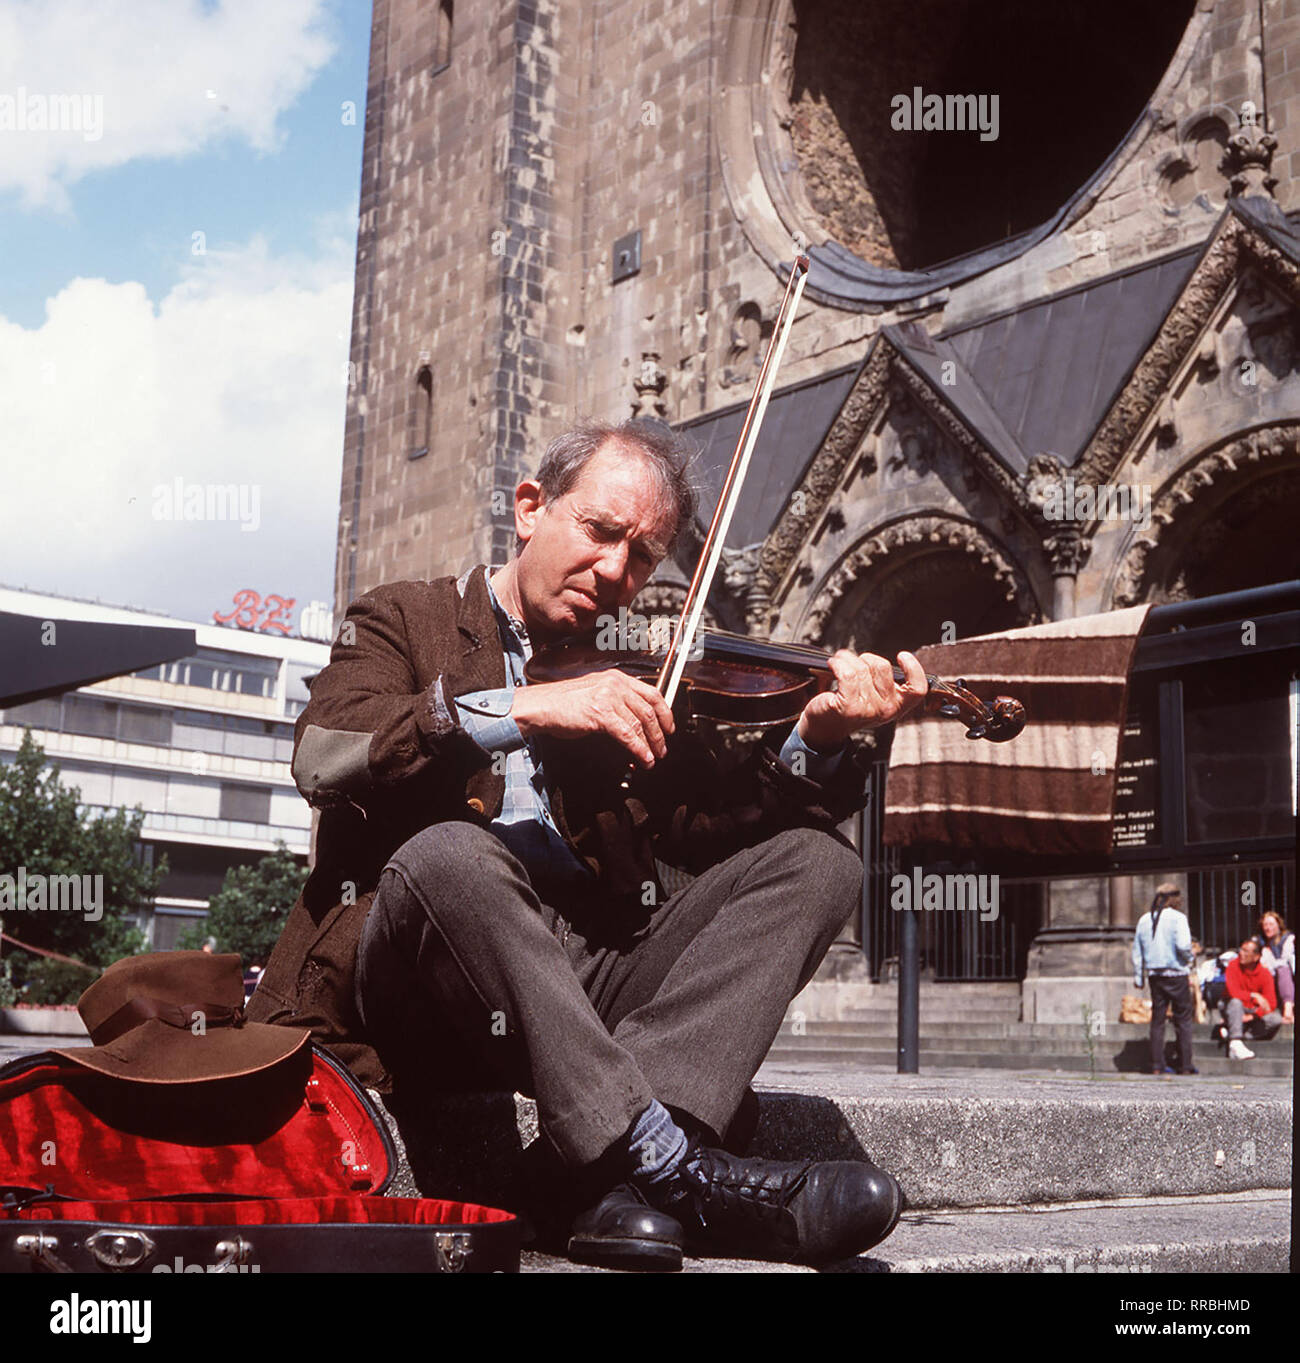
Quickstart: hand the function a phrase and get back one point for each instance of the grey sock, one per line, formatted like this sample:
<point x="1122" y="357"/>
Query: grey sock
<point x="657" y="1146"/>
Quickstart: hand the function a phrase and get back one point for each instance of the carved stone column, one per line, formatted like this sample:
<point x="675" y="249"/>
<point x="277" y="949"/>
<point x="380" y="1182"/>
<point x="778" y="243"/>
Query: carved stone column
<point x="1045" y="493"/>
<point x="1121" y="902"/>
<point x="740" y="577"/>
<point x="1068" y="551"/>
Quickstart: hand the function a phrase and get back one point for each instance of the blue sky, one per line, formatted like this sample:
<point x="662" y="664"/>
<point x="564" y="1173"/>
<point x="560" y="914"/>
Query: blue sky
<point x="177" y="297"/>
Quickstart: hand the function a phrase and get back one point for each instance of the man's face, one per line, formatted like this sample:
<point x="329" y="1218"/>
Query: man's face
<point x="590" y="551"/>
<point x="1249" y="954"/>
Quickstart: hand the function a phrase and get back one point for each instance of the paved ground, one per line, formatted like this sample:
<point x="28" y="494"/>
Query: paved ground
<point x="1242" y="1233"/>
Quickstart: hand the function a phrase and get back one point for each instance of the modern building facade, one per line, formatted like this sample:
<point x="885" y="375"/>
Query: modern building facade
<point x="202" y="744"/>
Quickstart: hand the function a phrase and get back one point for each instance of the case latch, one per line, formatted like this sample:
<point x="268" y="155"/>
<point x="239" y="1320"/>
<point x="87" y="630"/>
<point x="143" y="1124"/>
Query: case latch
<point x="452" y="1248"/>
<point x="119" y="1250"/>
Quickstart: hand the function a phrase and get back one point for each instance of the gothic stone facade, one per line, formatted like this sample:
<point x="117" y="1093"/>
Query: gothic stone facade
<point x="508" y="151"/>
<point x="1043" y="372"/>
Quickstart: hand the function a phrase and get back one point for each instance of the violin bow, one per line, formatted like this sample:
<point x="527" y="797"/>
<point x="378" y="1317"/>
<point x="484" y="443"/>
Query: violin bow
<point x="998" y="722"/>
<point x="670" y="674"/>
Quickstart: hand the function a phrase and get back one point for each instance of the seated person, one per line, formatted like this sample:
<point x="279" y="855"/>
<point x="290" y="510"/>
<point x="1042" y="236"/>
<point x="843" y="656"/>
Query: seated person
<point x="1278" y="956"/>
<point x="485" y="909"/>
<point x="1250" y="1002"/>
<point x="1209" y="975"/>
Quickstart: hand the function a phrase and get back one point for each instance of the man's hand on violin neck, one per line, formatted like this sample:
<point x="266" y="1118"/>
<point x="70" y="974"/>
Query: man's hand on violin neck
<point x="866" y="697"/>
<point x="630" y="710"/>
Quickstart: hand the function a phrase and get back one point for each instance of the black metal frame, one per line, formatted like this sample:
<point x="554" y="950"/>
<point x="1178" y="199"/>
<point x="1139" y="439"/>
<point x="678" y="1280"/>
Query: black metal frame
<point x="1176" y="636"/>
<point x="1179" y="636"/>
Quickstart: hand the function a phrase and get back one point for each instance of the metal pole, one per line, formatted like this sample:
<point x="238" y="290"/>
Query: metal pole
<point x="909" y="995"/>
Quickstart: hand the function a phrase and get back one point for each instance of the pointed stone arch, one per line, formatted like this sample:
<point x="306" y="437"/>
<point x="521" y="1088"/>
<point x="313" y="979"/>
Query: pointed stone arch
<point x="1193" y="502"/>
<point x="996" y="595"/>
<point x="849" y="451"/>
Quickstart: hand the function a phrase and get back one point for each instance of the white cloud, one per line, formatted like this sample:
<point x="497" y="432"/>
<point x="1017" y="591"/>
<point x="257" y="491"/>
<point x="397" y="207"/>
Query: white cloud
<point x="145" y="78"/>
<point x="236" y="376"/>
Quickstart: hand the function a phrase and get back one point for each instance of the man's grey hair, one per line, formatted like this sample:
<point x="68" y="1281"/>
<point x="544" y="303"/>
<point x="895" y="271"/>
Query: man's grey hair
<point x="668" y="454"/>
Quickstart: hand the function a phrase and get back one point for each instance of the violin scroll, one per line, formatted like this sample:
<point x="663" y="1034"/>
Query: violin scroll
<point x="998" y="722"/>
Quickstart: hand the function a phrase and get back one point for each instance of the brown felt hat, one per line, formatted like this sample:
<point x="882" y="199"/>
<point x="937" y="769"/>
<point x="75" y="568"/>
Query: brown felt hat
<point x="174" y="1017"/>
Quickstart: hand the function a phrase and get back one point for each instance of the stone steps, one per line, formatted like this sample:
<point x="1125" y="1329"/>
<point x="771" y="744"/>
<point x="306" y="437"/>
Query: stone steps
<point x="884" y="1056"/>
<point x="1003" y="1173"/>
<point x="1015" y="1043"/>
<point x="1018" y="1045"/>
<point x="991" y="1029"/>
<point x="977" y="1140"/>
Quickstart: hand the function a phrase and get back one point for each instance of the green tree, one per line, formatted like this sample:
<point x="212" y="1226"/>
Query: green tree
<point x="249" y="910"/>
<point x="46" y="830"/>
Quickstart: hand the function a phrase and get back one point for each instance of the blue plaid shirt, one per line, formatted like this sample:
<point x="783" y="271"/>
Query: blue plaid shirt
<point x="525" y="823"/>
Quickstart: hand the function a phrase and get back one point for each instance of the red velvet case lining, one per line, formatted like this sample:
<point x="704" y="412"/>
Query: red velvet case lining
<point x="293" y="1211"/>
<point x="297" y="1131"/>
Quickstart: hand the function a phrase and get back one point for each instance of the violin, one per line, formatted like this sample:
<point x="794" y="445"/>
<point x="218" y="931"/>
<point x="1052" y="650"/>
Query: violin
<point x="734" y="678"/>
<point x="741" y="681"/>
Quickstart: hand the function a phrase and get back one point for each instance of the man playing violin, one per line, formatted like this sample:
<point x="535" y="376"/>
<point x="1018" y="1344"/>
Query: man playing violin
<point x="485" y="909"/>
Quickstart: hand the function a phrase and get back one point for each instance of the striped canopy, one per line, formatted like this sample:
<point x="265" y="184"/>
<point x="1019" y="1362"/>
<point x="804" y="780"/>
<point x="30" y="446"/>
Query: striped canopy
<point x="1051" y="790"/>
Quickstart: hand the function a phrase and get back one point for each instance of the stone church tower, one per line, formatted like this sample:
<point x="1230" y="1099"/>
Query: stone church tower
<point x="1052" y="251"/>
<point x="579" y="207"/>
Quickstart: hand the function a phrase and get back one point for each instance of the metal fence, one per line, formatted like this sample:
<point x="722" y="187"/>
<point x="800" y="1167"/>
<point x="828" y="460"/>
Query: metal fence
<point x="954" y="945"/>
<point x="1224" y="903"/>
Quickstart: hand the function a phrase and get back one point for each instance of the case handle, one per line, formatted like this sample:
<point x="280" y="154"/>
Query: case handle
<point x="231" y="1253"/>
<point x="40" y="1249"/>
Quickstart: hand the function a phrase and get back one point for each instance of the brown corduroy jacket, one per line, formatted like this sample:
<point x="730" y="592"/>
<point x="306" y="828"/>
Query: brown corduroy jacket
<point x="380" y="750"/>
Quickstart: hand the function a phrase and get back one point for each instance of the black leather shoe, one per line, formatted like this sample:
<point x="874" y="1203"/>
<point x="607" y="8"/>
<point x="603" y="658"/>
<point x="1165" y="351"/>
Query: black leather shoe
<point x="624" y="1231"/>
<point x="814" y="1212"/>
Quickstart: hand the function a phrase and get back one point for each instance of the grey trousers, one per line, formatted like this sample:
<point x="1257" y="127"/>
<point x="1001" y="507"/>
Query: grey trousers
<point x="468" y="978"/>
<point x="1263" y="1028"/>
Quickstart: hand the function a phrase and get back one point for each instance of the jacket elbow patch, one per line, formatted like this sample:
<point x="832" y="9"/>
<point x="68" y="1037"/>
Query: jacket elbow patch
<point x="331" y="760"/>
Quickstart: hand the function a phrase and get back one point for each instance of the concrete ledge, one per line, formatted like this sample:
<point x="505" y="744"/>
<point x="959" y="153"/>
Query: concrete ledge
<point x="50" y="1021"/>
<point x="986" y="1140"/>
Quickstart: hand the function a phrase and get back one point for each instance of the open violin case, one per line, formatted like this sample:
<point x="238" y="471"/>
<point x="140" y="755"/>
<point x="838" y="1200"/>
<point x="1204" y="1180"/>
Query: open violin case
<point x="283" y="1170"/>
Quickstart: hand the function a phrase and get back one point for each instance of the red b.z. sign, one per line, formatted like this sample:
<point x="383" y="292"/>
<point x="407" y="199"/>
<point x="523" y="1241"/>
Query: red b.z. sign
<point x="251" y="612"/>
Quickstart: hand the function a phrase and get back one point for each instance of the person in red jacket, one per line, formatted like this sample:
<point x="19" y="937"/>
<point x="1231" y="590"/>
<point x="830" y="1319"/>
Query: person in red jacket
<point x="1250" y="1001"/>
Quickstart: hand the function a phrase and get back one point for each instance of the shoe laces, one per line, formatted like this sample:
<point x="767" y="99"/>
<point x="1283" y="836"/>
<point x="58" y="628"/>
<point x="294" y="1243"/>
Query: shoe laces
<point x="728" y="1188"/>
